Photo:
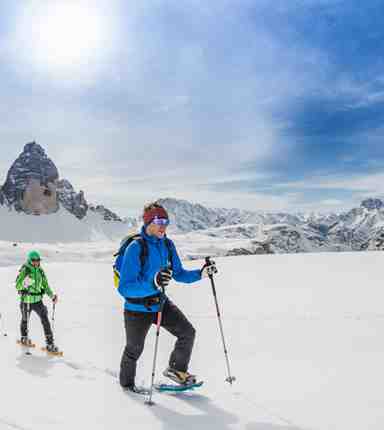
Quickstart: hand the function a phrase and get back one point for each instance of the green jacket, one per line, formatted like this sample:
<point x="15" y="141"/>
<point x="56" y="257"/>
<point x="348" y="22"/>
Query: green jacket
<point x="32" y="283"/>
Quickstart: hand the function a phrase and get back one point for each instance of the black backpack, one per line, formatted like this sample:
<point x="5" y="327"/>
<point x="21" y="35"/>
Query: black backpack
<point x="119" y="255"/>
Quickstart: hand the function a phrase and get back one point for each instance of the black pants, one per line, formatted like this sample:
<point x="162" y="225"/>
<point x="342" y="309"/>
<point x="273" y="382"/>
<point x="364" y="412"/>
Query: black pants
<point x="137" y="325"/>
<point x="42" y="312"/>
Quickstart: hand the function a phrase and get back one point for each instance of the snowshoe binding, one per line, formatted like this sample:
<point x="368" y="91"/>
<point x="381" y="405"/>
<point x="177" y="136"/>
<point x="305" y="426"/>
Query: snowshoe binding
<point x="137" y="390"/>
<point x="52" y="349"/>
<point x="25" y="341"/>
<point x="182" y="378"/>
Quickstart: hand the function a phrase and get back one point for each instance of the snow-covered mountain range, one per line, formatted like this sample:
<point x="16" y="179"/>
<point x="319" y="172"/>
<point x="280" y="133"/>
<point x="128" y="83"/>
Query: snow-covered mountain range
<point x="33" y="187"/>
<point x="262" y="232"/>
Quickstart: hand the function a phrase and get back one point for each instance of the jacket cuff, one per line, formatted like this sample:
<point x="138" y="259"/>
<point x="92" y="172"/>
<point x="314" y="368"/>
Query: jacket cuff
<point x="155" y="280"/>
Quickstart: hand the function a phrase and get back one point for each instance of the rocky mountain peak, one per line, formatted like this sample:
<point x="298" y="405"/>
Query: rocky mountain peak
<point x="72" y="201"/>
<point x="33" y="186"/>
<point x="34" y="148"/>
<point x="30" y="183"/>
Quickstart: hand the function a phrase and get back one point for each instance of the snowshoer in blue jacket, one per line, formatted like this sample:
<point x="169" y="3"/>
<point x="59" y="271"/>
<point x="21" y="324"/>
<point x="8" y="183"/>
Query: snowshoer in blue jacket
<point x="142" y="286"/>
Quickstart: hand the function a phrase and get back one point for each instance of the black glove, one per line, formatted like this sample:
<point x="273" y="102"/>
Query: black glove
<point x="208" y="269"/>
<point x="162" y="278"/>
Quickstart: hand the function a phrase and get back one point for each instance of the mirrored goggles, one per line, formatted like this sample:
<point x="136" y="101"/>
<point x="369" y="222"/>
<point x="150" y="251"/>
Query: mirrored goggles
<point x="160" y="221"/>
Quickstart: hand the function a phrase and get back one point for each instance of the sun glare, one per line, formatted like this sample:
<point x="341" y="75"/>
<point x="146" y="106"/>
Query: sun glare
<point x="65" y="38"/>
<point x="68" y="35"/>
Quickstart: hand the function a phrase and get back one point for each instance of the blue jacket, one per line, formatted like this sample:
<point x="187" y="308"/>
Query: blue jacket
<point x="137" y="282"/>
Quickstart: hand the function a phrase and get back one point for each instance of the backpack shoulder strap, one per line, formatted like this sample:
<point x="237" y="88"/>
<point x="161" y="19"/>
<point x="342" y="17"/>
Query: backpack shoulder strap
<point x="143" y="247"/>
<point x="168" y="244"/>
<point x="143" y="251"/>
<point x="125" y="242"/>
<point x="26" y="268"/>
<point x="43" y="275"/>
<point x="22" y="268"/>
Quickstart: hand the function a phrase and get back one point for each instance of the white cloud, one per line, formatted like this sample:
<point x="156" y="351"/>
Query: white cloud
<point x="176" y="108"/>
<point x="371" y="183"/>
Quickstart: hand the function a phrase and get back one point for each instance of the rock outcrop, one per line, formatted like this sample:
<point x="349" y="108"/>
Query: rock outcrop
<point x="33" y="186"/>
<point x="30" y="185"/>
<point x="74" y="202"/>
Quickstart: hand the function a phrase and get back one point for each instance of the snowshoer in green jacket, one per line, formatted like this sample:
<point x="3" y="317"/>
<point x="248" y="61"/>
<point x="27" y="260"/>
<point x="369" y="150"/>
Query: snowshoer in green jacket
<point x="32" y="284"/>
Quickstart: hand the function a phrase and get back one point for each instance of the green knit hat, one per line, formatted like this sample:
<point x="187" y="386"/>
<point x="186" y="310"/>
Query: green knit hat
<point x="33" y="255"/>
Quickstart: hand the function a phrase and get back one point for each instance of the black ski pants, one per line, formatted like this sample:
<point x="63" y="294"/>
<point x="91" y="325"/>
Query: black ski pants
<point x="137" y="325"/>
<point x="42" y="312"/>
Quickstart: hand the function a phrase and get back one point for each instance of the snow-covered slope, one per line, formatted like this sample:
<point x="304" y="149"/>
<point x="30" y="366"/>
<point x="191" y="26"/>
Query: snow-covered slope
<point x="60" y="226"/>
<point x="304" y="335"/>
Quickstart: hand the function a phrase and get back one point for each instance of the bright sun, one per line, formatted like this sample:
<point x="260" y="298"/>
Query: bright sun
<point x="65" y="37"/>
<point x="67" y="34"/>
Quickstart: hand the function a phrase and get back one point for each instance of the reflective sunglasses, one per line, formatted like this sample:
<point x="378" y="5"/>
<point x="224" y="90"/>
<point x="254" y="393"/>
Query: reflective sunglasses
<point x="34" y="260"/>
<point x="160" y="221"/>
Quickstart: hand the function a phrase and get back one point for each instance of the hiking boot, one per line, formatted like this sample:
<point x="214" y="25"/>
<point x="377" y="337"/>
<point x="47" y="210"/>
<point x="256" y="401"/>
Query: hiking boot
<point x="24" y="340"/>
<point x="182" y="378"/>
<point x="51" y="347"/>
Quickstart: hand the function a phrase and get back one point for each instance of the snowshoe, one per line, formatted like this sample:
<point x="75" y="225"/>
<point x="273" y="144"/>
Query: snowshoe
<point x="173" y="388"/>
<point x="137" y="390"/>
<point x="52" y="349"/>
<point x="182" y="378"/>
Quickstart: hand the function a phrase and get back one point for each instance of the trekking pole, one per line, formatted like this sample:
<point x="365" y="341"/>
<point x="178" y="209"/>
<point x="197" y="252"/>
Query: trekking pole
<point x="2" y="324"/>
<point x="230" y="378"/>
<point x="28" y="310"/>
<point x="53" y="316"/>
<point x="158" y="324"/>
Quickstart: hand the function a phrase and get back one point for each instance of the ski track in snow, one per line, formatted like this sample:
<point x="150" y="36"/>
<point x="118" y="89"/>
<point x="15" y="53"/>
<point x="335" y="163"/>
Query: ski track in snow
<point x="11" y="425"/>
<point x="222" y="419"/>
<point x="193" y="397"/>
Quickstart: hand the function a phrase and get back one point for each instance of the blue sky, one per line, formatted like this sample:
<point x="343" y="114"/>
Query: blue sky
<point x="251" y="104"/>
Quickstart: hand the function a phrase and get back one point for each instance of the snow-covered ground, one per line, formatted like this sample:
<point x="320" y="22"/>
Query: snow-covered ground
<point x="304" y="334"/>
<point x="61" y="237"/>
<point x="190" y="246"/>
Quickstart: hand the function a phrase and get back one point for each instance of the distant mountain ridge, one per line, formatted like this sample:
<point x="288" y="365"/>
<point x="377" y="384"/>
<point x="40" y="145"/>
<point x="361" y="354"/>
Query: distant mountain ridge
<point x="33" y="187"/>
<point x="358" y="229"/>
<point x="187" y="216"/>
